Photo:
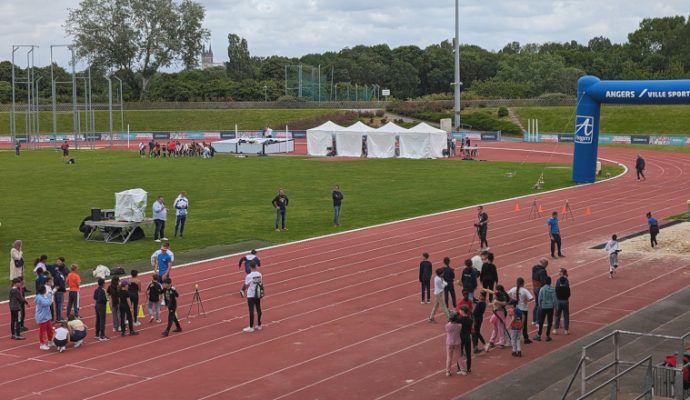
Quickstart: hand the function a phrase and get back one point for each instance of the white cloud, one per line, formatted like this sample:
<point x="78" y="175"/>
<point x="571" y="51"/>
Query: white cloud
<point x="297" y="27"/>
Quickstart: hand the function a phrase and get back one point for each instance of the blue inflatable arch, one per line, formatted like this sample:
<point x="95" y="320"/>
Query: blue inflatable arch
<point x="591" y="92"/>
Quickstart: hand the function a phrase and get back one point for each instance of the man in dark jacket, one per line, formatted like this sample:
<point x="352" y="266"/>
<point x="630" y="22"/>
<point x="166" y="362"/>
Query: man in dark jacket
<point x="489" y="274"/>
<point x="337" y="202"/>
<point x="640" y="167"/>
<point x="469" y="279"/>
<point x="171" y="296"/>
<point x="58" y="271"/>
<point x="539" y="276"/>
<point x="449" y="278"/>
<point x="482" y="226"/>
<point x="425" y="270"/>
<point x="280" y="202"/>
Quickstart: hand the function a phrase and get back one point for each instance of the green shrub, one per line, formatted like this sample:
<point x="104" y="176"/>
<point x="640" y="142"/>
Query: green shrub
<point x="502" y="112"/>
<point x="486" y="122"/>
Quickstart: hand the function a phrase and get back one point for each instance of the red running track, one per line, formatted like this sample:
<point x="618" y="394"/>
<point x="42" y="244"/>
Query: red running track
<point x="342" y="315"/>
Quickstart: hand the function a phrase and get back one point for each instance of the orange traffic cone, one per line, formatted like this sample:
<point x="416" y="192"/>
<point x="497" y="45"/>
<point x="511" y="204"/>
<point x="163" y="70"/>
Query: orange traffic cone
<point x="541" y="209"/>
<point x="588" y="212"/>
<point x="517" y="206"/>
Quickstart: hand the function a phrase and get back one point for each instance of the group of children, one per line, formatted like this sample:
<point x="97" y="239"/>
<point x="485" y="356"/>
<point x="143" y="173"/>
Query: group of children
<point x="173" y="149"/>
<point x="509" y="310"/>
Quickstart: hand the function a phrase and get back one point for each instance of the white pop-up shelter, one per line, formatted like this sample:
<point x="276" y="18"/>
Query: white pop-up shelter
<point x="319" y="139"/>
<point x="381" y="142"/>
<point x="130" y="205"/>
<point x="423" y="141"/>
<point x="348" y="142"/>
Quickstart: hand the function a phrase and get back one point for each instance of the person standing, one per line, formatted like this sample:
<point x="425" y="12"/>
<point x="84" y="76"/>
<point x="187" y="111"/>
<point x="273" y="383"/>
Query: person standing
<point x="468" y="280"/>
<point x="16" y="302"/>
<point x="181" y="205"/>
<point x="613" y="248"/>
<point x="17" y="148"/>
<point x="337" y="202"/>
<point x="449" y="278"/>
<point x="640" y="167"/>
<point x="555" y="235"/>
<point x="280" y="202"/>
<point x="114" y="302"/>
<point x="499" y="318"/>
<point x="170" y="294"/>
<point x="134" y="289"/>
<point x="160" y="214"/>
<point x="516" y="325"/>
<point x="452" y="342"/>
<point x="478" y="314"/>
<point x="653" y="229"/>
<point x="489" y="274"/>
<point x="125" y="310"/>
<point x="142" y="149"/>
<point x="57" y="271"/>
<point x="154" y="291"/>
<point x="482" y="226"/>
<point x="539" y="276"/>
<point x="16" y="260"/>
<point x="425" y="271"/>
<point x="563" y="305"/>
<point x="547" y="303"/>
<point x="522" y="297"/>
<point x="44" y="299"/>
<point x="465" y="321"/>
<point x="254" y="282"/>
<point x="439" y="289"/>
<point x="65" y="150"/>
<point x="163" y="265"/>
<point x="100" y="300"/>
<point x="73" y="282"/>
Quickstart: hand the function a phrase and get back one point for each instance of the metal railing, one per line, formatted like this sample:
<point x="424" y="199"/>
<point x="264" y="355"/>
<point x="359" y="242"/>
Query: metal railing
<point x="615" y="382"/>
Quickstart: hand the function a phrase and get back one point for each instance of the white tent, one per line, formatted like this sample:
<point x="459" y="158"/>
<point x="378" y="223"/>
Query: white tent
<point x="319" y="139"/>
<point x="130" y="205"/>
<point x="381" y="142"/>
<point x="348" y="142"/>
<point x="423" y="141"/>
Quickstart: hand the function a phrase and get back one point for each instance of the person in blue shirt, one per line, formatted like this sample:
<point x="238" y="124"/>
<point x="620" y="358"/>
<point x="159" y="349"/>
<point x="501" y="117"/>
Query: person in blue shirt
<point x="653" y="228"/>
<point x="555" y="235"/>
<point x="163" y="264"/>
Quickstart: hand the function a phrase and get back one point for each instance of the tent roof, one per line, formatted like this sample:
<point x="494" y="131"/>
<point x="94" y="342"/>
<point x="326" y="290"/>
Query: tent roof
<point x="391" y="127"/>
<point x="328" y="126"/>
<point x="426" y="128"/>
<point x="359" y="126"/>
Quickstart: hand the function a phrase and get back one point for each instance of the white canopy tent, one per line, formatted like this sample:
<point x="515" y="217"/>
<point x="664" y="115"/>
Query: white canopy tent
<point x="348" y="142"/>
<point x="381" y="142"/>
<point x="423" y="141"/>
<point x="319" y="139"/>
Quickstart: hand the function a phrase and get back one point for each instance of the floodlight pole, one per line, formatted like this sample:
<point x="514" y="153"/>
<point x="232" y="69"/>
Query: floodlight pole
<point x="75" y="111"/>
<point x="456" y="82"/>
<point x="52" y="93"/>
<point x="122" y="112"/>
<point x="110" y="109"/>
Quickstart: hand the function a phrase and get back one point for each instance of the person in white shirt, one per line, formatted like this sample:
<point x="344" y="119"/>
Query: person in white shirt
<point x="254" y="282"/>
<point x="439" y="286"/>
<point x="613" y="248"/>
<point x="40" y="263"/>
<point x="181" y="205"/>
<point x="61" y="337"/>
<point x="522" y="296"/>
<point x="160" y="214"/>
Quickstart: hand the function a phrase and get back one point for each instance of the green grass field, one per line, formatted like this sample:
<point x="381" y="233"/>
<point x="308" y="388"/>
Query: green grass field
<point x="642" y="120"/>
<point x="44" y="200"/>
<point x="175" y="120"/>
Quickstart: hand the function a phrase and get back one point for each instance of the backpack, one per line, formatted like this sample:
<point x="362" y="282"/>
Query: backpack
<point x="259" y="291"/>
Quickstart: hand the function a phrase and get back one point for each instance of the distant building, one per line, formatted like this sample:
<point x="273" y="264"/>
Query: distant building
<point x="207" y="58"/>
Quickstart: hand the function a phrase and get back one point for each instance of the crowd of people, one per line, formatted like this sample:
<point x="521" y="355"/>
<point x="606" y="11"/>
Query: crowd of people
<point x="174" y="149"/>
<point x="58" y="326"/>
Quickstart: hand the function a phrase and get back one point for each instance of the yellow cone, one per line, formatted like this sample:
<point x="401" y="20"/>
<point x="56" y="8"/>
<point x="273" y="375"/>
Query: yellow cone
<point x="107" y="308"/>
<point x="141" y="312"/>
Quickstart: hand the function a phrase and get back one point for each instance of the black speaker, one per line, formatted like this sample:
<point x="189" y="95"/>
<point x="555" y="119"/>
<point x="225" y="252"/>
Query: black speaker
<point x="96" y="214"/>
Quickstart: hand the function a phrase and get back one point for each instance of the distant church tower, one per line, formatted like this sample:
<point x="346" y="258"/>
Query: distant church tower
<point x="207" y="57"/>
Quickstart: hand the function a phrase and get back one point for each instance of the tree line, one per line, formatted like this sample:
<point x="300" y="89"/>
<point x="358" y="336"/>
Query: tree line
<point x="658" y="49"/>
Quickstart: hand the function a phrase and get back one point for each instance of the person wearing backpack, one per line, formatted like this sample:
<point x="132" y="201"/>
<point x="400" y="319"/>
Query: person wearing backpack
<point x="468" y="280"/>
<point x="254" y="282"/>
<point x="539" y="276"/>
<point x="449" y="278"/>
<point x="547" y="302"/>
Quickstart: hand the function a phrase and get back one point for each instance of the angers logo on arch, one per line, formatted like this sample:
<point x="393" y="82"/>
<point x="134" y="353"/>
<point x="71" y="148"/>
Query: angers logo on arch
<point x="584" y="129"/>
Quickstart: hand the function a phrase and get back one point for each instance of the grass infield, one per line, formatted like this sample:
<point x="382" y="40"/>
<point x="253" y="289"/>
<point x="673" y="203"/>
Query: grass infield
<point x="44" y="200"/>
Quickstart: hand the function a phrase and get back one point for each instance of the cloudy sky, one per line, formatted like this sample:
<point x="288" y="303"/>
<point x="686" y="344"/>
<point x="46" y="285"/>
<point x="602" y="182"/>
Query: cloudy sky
<point x="297" y="27"/>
